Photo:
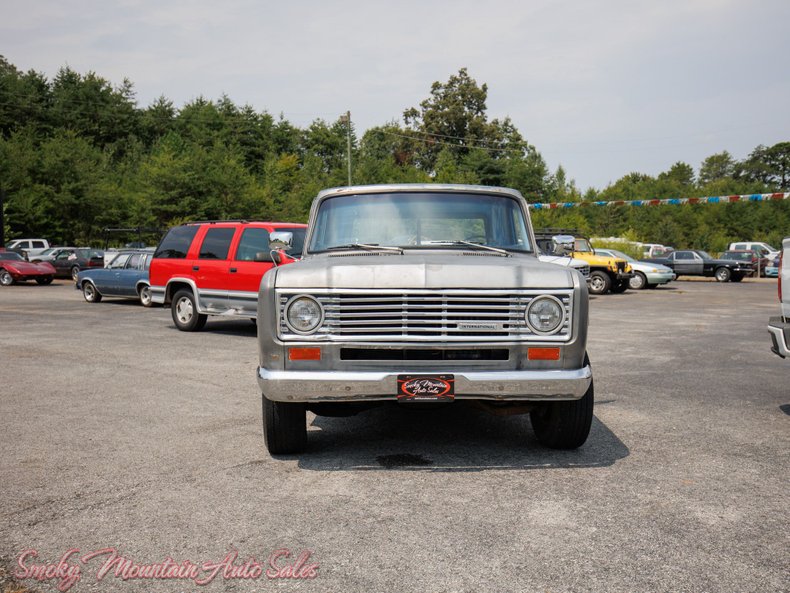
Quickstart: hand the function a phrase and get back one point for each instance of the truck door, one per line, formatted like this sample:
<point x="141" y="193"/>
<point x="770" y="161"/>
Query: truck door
<point x="212" y="269"/>
<point x="246" y="273"/>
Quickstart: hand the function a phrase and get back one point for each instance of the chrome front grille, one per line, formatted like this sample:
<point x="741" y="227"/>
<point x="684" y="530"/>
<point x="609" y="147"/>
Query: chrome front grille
<point x="424" y="315"/>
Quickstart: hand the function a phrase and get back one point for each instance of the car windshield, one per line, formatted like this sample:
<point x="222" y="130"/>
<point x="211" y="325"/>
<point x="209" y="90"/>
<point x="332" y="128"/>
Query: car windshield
<point x="420" y="220"/>
<point x="11" y="255"/>
<point x="620" y="254"/>
<point x="704" y="254"/>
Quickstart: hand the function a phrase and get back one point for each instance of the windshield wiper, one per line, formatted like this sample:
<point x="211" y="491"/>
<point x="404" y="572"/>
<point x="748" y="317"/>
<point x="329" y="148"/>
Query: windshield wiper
<point x="366" y="247"/>
<point x="501" y="252"/>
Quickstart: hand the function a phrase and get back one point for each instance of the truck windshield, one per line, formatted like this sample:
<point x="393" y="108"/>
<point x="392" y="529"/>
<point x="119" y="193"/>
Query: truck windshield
<point x="420" y="220"/>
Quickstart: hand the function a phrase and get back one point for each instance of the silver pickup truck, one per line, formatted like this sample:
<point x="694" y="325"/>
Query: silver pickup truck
<point x="779" y="327"/>
<point x="422" y="294"/>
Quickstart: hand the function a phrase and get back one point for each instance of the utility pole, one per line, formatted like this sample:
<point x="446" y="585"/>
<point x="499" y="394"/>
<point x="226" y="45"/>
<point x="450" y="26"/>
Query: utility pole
<point x="2" y="217"/>
<point x="346" y="118"/>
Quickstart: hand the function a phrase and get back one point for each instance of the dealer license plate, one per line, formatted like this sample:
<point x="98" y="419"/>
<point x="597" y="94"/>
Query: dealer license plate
<point x="426" y="388"/>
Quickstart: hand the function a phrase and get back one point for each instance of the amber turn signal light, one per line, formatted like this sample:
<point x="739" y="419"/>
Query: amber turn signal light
<point x="304" y="354"/>
<point x="543" y="353"/>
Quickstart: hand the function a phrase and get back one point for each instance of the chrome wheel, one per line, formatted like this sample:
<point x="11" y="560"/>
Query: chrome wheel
<point x="145" y="296"/>
<point x="5" y="278"/>
<point x="600" y="283"/>
<point x="722" y="274"/>
<point x="638" y="281"/>
<point x="90" y="293"/>
<point x="74" y="272"/>
<point x="184" y="310"/>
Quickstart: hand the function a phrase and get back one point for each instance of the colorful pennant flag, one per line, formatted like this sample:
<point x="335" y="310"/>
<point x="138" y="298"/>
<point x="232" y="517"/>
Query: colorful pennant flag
<point x="669" y="202"/>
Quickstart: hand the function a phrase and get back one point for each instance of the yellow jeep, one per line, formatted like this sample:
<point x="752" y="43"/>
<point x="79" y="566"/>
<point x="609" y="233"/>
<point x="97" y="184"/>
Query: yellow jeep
<point x="606" y="273"/>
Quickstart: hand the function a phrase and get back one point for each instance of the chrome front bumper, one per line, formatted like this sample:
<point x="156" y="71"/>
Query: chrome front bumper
<point x="340" y="386"/>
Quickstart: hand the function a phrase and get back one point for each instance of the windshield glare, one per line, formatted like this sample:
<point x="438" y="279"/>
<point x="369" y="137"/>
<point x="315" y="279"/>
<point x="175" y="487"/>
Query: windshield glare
<point x="415" y="220"/>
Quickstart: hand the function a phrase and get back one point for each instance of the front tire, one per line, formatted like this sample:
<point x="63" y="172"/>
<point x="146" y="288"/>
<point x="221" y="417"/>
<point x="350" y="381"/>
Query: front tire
<point x="600" y="283"/>
<point x="74" y="272"/>
<point x="638" y="282"/>
<point x="565" y="424"/>
<point x="722" y="275"/>
<point x="284" y="427"/>
<point x="185" y="312"/>
<point x="6" y="279"/>
<point x="619" y="287"/>
<point x="89" y="293"/>
<point x="145" y="296"/>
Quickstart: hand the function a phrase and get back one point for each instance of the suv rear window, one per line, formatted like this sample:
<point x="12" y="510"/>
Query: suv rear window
<point x="176" y="243"/>
<point x="216" y="243"/>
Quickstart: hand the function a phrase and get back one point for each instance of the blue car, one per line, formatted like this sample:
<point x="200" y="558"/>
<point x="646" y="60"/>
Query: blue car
<point x="772" y="270"/>
<point x="125" y="276"/>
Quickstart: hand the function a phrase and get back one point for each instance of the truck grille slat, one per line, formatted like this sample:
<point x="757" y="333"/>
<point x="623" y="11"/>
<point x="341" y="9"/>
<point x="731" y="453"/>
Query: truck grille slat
<point x="456" y="315"/>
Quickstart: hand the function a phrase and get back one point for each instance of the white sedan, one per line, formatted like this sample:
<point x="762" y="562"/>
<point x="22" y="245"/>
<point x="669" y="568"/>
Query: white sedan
<point x="646" y="275"/>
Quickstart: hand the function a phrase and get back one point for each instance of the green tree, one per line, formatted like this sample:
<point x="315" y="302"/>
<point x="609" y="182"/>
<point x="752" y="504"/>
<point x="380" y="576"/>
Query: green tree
<point x="769" y="166"/>
<point x="717" y="167"/>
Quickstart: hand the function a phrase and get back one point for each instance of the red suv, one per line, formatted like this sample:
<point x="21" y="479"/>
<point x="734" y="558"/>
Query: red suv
<point x="215" y="268"/>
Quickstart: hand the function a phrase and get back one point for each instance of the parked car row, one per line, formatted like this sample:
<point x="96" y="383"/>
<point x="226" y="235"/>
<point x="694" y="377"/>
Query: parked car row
<point x="695" y="262"/>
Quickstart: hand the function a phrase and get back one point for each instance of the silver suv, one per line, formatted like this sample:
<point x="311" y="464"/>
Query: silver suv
<point x="423" y="294"/>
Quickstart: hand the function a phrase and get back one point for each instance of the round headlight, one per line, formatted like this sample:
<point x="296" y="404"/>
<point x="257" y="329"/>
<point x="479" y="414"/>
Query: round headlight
<point x="303" y="314"/>
<point x="545" y="315"/>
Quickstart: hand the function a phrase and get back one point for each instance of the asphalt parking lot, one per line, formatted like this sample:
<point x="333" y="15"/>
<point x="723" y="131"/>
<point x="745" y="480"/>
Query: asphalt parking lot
<point x="120" y="431"/>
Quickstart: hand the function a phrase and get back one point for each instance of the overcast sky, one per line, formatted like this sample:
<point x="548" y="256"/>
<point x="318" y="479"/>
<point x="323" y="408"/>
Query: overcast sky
<point x="603" y="88"/>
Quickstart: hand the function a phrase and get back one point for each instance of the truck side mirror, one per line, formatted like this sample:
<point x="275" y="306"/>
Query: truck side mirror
<point x="562" y="244"/>
<point x="280" y="240"/>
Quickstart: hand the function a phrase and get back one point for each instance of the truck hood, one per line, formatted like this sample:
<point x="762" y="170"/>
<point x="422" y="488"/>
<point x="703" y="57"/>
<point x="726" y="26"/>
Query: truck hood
<point x="421" y="270"/>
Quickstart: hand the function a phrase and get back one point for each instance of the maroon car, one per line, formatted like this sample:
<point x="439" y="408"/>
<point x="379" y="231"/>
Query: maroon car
<point x="13" y="268"/>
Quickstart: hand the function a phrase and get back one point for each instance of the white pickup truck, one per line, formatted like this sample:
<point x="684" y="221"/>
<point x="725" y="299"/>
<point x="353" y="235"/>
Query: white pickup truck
<point x="779" y="327"/>
<point x="27" y="248"/>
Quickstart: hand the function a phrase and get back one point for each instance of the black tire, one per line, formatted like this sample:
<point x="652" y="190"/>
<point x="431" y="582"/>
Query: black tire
<point x="620" y="286"/>
<point x="185" y="312"/>
<point x="564" y="425"/>
<point x="284" y="427"/>
<point x="600" y="282"/>
<point x="722" y="274"/>
<point x="44" y="280"/>
<point x="90" y="293"/>
<point x="6" y="279"/>
<point x="145" y="295"/>
<point x="74" y="271"/>
<point x="638" y="281"/>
